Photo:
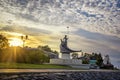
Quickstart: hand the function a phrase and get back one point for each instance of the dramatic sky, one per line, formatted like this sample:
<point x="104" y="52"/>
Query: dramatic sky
<point x="94" y="25"/>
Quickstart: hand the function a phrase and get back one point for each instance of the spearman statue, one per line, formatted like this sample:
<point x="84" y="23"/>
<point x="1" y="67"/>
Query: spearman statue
<point x="64" y="48"/>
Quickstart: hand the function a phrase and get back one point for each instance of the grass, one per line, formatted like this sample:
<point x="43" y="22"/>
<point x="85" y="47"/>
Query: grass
<point x="31" y="66"/>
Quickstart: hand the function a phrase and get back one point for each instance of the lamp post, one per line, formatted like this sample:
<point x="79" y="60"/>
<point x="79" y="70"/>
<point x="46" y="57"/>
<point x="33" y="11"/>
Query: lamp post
<point x="24" y="38"/>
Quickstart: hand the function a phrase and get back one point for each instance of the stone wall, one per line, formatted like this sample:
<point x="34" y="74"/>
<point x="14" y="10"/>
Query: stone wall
<point x="65" y="61"/>
<point x="75" y="63"/>
<point x="82" y="75"/>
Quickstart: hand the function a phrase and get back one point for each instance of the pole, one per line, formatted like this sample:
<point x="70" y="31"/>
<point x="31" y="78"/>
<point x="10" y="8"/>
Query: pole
<point x="24" y="38"/>
<point x="68" y="31"/>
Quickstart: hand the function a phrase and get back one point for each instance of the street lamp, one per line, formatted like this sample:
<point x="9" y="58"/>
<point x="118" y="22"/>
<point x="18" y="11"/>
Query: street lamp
<point x="24" y="38"/>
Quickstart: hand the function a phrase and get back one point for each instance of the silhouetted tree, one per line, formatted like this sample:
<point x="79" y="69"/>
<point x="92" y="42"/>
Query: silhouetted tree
<point x="99" y="60"/>
<point x="55" y="52"/>
<point x="74" y="55"/>
<point x="3" y="42"/>
<point x="86" y="58"/>
<point x="45" y="48"/>
<point x="23" y="55"/>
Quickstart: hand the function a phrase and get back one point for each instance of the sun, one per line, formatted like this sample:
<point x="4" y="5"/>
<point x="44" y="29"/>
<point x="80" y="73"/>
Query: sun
<point x="15" y="42"/>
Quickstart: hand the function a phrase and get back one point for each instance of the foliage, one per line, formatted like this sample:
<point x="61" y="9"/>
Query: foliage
<point x="55" y="52"/>
<point x="23" y="55"/>
<point x="97" y="57"/>
<point x="74" y="55"/>
<point x="47" y="48"/>
<point x="3" y="42"/>
<point x="85" y="61"/>
<point x="99" y="60"/>
<point x="86" y="58"/>
<point x="93" y="56"/>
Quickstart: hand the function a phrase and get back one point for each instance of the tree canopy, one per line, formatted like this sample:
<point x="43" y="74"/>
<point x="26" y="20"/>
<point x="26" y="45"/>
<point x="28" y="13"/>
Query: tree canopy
<point x="3" y="42"/>
<point x="47" y="48"/>
<point x="23" y="55"/>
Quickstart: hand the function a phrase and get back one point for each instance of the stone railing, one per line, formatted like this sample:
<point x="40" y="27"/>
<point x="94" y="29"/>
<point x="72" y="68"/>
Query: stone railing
<point x="79" y="75"/>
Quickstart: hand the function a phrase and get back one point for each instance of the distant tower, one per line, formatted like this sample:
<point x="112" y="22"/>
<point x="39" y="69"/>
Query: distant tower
<point x="106" y="60"/>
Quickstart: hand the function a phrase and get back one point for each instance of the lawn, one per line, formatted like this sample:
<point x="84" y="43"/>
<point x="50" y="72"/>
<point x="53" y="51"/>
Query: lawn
<point x="31" y="66"/>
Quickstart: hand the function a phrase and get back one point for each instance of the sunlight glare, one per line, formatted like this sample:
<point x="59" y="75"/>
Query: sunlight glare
<point x="15" y="42"/>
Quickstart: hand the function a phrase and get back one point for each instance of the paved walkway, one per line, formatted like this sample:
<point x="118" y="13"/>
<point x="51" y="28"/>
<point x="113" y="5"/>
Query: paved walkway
<point x="48" y="70"/>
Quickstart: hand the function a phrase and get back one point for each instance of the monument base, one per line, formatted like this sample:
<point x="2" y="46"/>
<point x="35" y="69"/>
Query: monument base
<point x="65" y="56"/>
<point x="65" y="61"/>
<point x="75" y="63"/>
<point x="81" y="66"/>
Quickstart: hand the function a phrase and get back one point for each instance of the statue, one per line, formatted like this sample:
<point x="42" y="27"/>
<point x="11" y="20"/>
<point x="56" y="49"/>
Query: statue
<point x="64" y="48"/>
<point x="65" y="57"/>
<point x="106" y="63"/>
<point x="106" y="60"/>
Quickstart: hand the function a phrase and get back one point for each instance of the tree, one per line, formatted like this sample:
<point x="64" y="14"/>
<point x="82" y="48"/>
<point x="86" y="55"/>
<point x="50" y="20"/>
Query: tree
<point x="97" y="57"/>
<point x="74" y="55"/>
<point x="99" y="60"/>
<point x="55" y="52"/>
<point x="45" y="48"/>
<point x="3" y="42"/>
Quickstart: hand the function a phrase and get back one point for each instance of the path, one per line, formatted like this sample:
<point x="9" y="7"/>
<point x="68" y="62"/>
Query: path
<point x="49" y="70"/>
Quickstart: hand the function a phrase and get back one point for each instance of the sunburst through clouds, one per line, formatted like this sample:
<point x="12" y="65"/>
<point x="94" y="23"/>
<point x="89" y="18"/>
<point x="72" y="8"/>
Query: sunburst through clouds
<point x="15" y="42"/>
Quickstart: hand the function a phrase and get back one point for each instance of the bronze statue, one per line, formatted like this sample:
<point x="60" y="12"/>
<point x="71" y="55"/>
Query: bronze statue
<point x="64" y="48"/>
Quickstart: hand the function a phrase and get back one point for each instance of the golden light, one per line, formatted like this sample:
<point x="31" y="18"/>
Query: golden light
<point x="15" y="42"/>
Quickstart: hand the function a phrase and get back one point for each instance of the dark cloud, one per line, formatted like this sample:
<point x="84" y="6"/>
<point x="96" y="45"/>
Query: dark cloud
<point x="34" y="31"/>
<point x="25" y="30"/>
<point x="118" y="3"/>
<point x="86" y="13"/>
<point x="28" y="17"/>
<point x="7" y="28"/>
<point x="98" y="37"/>
<point x="115" y="54"/>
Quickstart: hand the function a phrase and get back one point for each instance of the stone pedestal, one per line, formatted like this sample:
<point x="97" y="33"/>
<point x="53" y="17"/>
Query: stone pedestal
<point x="65" y="61"/>
<point x="65" y="56"/>
<point x="75" y="63"/>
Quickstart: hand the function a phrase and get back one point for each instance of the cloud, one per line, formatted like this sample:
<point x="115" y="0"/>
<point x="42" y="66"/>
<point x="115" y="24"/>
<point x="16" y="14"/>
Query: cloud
<point x="28" y="17"/>
<point x="25" y="30"/>
<point x="110" y="41"/>
<point x="95" y="16"/>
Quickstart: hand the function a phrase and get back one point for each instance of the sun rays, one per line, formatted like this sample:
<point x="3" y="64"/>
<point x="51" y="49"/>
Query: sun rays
<point x="15" y="42"/>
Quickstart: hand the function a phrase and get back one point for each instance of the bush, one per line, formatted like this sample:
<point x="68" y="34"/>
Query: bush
<point x="23" y="55"/>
